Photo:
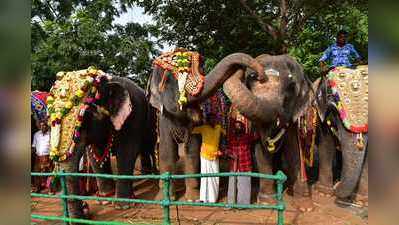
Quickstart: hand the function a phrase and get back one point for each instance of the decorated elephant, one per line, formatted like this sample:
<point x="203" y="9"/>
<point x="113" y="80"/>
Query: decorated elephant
<point x="274" y="107"/>
<point x="176" y="87"/>
<point x="102" y="114"/>
<point x="342" y="100"/>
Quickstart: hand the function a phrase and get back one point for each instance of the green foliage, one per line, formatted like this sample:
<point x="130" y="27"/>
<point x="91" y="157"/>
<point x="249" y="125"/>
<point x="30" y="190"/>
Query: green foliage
<point x="73" y="35"/>
<point x="302" y="28"/>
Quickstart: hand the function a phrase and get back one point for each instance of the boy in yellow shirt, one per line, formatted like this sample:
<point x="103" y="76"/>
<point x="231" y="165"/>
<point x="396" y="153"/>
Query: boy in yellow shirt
<point x="211" y="134"/>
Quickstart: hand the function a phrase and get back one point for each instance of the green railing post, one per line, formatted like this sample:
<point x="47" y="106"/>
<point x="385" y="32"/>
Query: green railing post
<point x="279" y="197"/>
<point x="166" y="198"/>
<point x="166" y="202"/>
<point x="64" y="192"/>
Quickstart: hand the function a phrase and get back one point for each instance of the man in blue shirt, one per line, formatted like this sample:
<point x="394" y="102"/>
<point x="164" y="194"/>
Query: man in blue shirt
<point x="339" y="53"/>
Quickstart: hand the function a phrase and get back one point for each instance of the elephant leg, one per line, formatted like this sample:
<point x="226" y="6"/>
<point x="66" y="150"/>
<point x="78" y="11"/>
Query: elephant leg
<point x="75" y="207"/>
<point x="301" y="189"/>
<point x="352" y="164"/>
<point x="191" y="165"/>
<point x="265" y="165"/>
<point x="106" y="187"/>
<point x="362" y="192"/>
<point x="146" y="163"/>
<point x="126" y="159"/>
<point x="168" y="155"/>
<point x="327" y="152"/>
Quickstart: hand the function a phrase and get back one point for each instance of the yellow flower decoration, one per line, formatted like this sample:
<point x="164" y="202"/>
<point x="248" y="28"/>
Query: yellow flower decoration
<point x="80" y="93"/>
<point x="68" y="105"/>
<point x="49" y="100"/>
<point x="58" y="115"/>
<point x="53" y="117"/>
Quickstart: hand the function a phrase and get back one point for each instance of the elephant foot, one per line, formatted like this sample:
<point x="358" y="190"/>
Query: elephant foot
<point x="266" y="199"/>
<point x="191" y="195"/>
<point x="304" y="204"/>
<point x="159" y="196"/>
<point x="361" y="200"/>
<point x="346" y="202"/>
<point x="323" y="190"/>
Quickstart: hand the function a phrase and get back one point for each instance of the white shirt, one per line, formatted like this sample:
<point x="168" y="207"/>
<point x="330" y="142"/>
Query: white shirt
<point x="42" y="143"/>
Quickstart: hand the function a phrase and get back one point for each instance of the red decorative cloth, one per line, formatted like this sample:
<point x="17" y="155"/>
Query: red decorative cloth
<point x="239" y="149"/>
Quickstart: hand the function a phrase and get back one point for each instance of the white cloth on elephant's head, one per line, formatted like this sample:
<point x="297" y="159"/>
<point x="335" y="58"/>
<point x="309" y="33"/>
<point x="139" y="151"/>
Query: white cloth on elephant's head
<point x="122" y="114"/>
<point x="181" y="80"/>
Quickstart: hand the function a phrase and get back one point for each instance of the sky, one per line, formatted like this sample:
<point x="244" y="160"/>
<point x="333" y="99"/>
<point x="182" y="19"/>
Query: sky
<point x="136" y="14"/>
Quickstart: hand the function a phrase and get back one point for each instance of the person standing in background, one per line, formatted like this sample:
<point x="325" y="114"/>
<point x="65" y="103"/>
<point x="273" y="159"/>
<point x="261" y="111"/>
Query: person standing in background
<point x="239" y="152"/>
<point x="209" y="189"/>
<point x="41" y="147"/>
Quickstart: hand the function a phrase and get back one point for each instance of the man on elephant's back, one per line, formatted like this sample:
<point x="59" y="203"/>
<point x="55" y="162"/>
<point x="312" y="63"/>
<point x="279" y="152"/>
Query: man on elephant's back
<point x="340" y="53"/>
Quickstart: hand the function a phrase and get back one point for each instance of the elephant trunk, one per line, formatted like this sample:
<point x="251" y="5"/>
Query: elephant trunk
<point x="252" y="107"/>
<point x="352" y="164"/>
<point x="225" y="69"/>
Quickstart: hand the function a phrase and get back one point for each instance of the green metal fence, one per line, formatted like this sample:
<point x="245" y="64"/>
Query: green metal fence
<point x="279" y="177"/>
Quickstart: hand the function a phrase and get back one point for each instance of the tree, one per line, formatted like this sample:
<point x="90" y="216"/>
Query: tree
<point x="216" y="28"/>
<point x="72" y="35"/>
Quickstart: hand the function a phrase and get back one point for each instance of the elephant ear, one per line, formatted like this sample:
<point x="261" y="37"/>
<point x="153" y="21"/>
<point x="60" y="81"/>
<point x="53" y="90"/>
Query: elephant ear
<point x="317" y="98"/>
<point x="152" y="91"/>
<point x="117" y="102"/>
<point x="321" y="97"/>
<point x="303" y="88"/>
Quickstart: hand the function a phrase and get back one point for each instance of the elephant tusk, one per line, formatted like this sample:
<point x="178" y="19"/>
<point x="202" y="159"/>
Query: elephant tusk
<point x="271" y="141"/>
<point x="336" y="185"/>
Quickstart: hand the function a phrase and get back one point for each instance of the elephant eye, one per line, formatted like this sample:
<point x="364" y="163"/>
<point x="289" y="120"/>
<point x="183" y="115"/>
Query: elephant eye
<point x="252" y="75"/>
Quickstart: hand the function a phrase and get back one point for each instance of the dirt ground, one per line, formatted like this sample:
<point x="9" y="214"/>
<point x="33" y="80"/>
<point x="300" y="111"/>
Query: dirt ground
<point x="325" y="211"/>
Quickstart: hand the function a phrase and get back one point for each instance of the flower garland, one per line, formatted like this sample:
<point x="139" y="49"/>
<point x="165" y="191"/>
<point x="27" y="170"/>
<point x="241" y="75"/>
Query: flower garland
<point x="101" y="159"/>
<point x="67" y="103"/>
<point x="332" y="80"/>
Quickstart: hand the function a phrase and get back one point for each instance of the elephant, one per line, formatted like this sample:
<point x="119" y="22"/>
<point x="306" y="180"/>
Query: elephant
<point x="273" y="107"/>
<point x="353" y="176"/>
<point x="176" y="122"/>
<point x="129" y="140"/>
